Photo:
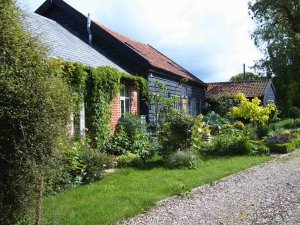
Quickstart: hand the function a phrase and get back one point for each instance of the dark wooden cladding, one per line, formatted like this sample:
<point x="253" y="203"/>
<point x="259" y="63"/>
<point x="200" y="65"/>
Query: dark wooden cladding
<point x="175" y="88"/>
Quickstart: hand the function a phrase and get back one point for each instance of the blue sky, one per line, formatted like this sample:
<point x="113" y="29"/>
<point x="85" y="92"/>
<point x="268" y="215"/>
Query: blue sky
<point x="210" y="38"/>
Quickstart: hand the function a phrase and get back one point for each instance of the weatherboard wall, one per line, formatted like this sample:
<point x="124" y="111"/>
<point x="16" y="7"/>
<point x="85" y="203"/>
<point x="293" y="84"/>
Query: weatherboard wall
<point x="174" y="88"/>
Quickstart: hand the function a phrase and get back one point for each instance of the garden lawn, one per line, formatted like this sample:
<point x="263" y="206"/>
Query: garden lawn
<point x="130" y="191"/>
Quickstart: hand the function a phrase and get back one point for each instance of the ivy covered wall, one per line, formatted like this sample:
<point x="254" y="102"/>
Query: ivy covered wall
<point x="96" y="88"/>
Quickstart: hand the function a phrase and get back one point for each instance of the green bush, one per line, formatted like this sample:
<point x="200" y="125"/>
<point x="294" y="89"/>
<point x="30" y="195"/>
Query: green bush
<point x="286" y="147"/>
<point x="129" y="159"/>
<point x="294" y="113"/>
<point x="95" y="162"/>
<point x="131" y="136"/>
<point x="262" y="130"/>
<point x="259" y="147"/>
<point x="239" y="125"/>
<point x="229" y="145"/>
<point x="181" y="159"/>
<point x="176" y="132"/>
<point x="34" y="110"/>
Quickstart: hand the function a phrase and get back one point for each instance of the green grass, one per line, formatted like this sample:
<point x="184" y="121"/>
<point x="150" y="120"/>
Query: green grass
<point x="287" y="124"/>
<point x="130" y="191"/>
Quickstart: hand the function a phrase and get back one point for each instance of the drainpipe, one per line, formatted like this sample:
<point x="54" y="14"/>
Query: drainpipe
<point x="88" y="26"/>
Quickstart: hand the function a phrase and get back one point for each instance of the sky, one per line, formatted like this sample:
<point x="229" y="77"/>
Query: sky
<point x="209" y="38"/>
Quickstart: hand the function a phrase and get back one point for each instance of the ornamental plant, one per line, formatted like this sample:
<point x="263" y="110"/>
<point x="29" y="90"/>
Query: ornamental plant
<point x="252" y="110"/>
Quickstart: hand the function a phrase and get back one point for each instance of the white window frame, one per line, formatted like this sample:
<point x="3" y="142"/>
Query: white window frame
<point x="125" y="95"/>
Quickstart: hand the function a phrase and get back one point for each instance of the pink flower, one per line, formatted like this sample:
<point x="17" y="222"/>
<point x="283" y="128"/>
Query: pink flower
<point x="86" y="129"/>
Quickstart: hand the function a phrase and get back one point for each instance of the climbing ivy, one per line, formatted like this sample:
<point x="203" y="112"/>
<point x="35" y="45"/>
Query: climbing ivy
<point x="97" y="87"/>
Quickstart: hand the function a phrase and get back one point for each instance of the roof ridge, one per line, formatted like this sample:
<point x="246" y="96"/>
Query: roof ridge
<point x="244" y="81"/>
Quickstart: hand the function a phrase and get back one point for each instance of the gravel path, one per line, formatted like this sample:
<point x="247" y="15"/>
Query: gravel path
<point x="267" y="194"/>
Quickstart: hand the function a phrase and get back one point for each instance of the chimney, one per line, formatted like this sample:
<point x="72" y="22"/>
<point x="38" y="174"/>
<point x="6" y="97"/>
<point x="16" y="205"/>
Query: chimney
<point x="88" y="26"/>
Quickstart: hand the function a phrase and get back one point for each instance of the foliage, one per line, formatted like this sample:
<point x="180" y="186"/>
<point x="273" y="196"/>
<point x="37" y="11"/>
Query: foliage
<point x="215" y="122"/>
<point x="239" y="125"/>
<point x="226" y="144"/>
<point x="176" y="132"/>
<point x="286" y="123"/>
<point x="119" y="143"/>
<point x="246" y="77"/>
<point x="82" y="165"/>
<point x="251" y="110"/>
<point x="34" y="110"/>
<point x="161" y="103"/>
<point x="95" y="162"/>
<point x="294" y="113"/>
<point x="101" y="87"/>
<point x="181" y="159"/>
<point x="220" y="104"/>
<point x="263" y="130"/>
<point x="129" y="159"/>
<point x="280" y="138"/>
<point x="132" y="136"/>
<point x="285" y="147"/>
<point x="259" y="147"/>
<point x="278" y="37"/>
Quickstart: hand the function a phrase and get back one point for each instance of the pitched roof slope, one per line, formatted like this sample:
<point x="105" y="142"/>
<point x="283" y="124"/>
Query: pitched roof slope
<point x="63" y="44"/>
<point x="147" y="52"/>
<point x="153" y="56"/>
<point x="249" y="88"/>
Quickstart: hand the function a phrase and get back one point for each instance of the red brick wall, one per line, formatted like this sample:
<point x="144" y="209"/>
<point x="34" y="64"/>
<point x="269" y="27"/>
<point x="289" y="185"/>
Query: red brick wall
<point x="116" y="107"/>
<point x="134" y="101"/>
<point x="115" y="113"/>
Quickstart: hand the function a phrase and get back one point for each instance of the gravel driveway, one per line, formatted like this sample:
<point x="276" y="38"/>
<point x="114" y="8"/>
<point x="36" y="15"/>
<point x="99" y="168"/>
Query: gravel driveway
<point x="266" y="194"/>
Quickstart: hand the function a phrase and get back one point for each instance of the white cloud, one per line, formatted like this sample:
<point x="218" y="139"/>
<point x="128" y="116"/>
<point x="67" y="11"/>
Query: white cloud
<point x="209" y="38"/>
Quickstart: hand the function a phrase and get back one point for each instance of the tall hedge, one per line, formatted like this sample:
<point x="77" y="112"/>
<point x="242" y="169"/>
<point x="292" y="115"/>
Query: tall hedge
<point x="34" y="109"/>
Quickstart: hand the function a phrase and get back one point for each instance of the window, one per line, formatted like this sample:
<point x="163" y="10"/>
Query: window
<point x="125" y="99"/>
<point x="193" y="107"/>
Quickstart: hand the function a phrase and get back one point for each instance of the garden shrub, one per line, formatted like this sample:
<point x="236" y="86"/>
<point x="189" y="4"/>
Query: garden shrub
<point x="129" y="159"/>
<point x="215" y="122"/>
<point x="280" y="138"/>
<point x="252" y="110"/>
<point x="176" y="132"/>
<point x="95" y="162"/>
<point x="119" y="143"/>
<point x="34" y="110"/>
<point x="286" y="147"/>
<point x="82" y="165"/>
<point x="239" y="125"/>
<point x="181" y="159"/>
<point x="294" y="113"/>
<point x="230" y="145"/>
<point x="262" y="130"/>
<point x="259" y="147"/>
<point x="131" y="136"/>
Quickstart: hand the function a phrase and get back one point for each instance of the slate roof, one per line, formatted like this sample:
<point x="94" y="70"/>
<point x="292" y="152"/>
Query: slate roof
<point x="63" y="44"/>
<point x="153" y="56"/>
<point x="249" y="88"/>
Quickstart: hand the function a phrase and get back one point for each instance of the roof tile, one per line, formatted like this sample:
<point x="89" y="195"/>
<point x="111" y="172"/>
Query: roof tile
<point x="249" y="88"/>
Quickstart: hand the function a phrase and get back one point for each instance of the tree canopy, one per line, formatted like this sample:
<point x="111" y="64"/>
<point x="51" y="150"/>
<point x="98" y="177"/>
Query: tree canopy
<point x="277" y="35"/>
<point x="246" y="76"/>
